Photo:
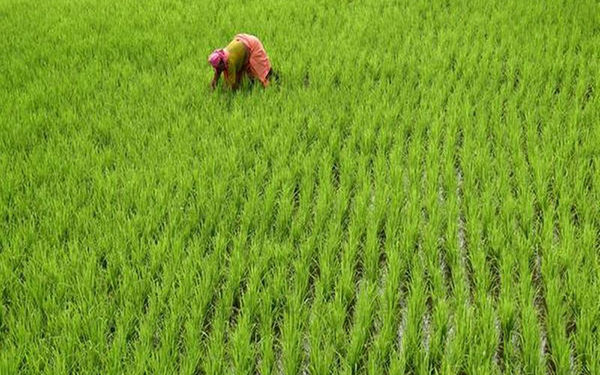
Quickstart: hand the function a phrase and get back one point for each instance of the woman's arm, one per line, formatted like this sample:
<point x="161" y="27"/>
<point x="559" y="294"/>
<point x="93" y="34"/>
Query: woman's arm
<point x="213" y="83"/>
<point x="237" y="80"/>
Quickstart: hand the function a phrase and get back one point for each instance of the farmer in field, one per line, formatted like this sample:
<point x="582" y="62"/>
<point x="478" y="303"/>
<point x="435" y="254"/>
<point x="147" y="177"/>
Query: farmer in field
<point x="244" y="55"/>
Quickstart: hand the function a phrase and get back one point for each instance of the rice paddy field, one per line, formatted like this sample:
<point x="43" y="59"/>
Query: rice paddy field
<point x="418" y="194"/>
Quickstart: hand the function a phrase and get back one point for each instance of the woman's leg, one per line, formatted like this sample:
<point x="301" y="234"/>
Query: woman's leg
<point x="272" y="75"/>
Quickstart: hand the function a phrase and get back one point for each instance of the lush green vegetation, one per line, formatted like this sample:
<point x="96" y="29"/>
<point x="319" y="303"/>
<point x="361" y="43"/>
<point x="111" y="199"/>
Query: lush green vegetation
<point x="419" y="194"/>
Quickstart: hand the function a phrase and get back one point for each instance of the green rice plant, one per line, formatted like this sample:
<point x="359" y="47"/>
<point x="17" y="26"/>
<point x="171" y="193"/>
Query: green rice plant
<point x="361" y="327"/>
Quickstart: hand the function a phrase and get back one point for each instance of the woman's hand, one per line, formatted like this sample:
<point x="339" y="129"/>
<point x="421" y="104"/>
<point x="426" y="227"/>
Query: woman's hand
<point x="213" y="83"/>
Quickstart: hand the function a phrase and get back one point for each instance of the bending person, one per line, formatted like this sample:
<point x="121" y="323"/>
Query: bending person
<point x="244" y="55"/>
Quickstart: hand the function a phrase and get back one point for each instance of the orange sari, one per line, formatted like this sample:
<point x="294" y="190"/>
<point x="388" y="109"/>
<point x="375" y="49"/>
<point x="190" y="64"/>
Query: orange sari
<point x="258" y="64"/>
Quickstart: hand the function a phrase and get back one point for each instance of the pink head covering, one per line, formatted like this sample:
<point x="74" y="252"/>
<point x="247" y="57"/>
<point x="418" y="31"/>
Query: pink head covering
<point x="216" y="57"/>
